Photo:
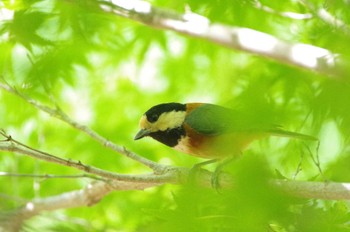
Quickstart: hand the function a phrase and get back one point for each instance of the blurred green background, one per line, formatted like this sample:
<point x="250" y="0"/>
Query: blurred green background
<point x="105" y="71"/>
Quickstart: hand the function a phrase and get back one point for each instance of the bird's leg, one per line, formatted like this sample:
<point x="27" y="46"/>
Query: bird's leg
<point x="194" y="170"/>
<point x="215" y="177"/>
<point x="199" y="165"/>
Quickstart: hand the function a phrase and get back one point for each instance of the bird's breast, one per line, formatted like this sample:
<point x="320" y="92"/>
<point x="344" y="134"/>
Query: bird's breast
<point x="214" y="146"/>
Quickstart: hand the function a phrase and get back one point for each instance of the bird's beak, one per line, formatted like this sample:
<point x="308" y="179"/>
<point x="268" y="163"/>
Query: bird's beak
<point x="142" y="133"/>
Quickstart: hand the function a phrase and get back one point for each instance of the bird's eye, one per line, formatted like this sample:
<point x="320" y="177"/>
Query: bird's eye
<point x="153" y="118"/>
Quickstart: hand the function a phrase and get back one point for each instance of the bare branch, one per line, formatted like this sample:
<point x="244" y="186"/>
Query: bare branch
<point x="301" y="55"/>
<point x="88" y="196"/>
<point x="12" y="145"/>
<point x="93" y="193"/>
<point x="314" y="190"/>
<point x="291" y="15"/>
<point x="59" y="114"/>
<point x="327" y="17"/>
<point x="49" y="176"/>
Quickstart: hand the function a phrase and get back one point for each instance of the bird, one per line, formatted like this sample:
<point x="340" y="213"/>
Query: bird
<point x="207" y="130"/>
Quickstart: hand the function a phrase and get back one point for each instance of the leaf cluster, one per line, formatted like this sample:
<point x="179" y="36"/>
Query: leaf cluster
<point x="105" y="71"/>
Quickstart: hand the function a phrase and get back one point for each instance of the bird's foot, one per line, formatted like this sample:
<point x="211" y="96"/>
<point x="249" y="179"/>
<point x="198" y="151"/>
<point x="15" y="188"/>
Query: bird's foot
<point x="215" y="181"/>
<point x="192" y="175"/>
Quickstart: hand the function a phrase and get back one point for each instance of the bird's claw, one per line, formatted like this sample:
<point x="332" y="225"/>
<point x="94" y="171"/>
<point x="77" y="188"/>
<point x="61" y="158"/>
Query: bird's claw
<point x="192" y="175"/>
<point x="215" y="181"/>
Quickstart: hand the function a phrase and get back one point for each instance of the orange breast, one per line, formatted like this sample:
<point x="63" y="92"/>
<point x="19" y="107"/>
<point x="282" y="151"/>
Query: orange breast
<point x="216" y="146"/>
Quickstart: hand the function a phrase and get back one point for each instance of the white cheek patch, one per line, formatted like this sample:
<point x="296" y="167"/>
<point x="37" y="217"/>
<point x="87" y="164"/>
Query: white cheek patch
<point x="183" y="145"/>
<point x="170" y="120"/>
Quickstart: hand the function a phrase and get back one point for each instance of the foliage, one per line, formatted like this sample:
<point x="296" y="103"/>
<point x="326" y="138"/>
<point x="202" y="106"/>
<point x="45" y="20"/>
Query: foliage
<point x="105" y="71"/>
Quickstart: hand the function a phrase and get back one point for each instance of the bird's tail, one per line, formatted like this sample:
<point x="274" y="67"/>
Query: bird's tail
<point x="283" y="133"/>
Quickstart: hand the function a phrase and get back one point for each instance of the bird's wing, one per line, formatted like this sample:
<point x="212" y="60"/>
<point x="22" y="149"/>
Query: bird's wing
<point x="212" y="119"/>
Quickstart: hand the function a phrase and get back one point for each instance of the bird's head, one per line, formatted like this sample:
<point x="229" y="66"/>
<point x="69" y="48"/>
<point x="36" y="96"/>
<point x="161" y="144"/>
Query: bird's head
<point x="163" y="122"/>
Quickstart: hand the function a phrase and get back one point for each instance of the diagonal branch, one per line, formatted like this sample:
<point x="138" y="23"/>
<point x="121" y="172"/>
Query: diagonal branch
<point x="291" y="15"/>
<point x="59" y="114"/>
<point x="237" y="38"/>
<point x="327" y="17"/>
<point x="12" y="145"/>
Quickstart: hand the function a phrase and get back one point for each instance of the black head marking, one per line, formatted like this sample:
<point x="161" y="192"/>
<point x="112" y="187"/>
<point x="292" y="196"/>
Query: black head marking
<point x="169" y="137"/>
<point x="153" y="113"/>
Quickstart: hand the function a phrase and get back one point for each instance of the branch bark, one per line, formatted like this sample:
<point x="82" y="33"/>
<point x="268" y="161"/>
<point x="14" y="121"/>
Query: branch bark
<point x="94" y="192"/>
<point x="12" y="145"/>
<point x="88" y="196"/>
<point x="237" y="38"/>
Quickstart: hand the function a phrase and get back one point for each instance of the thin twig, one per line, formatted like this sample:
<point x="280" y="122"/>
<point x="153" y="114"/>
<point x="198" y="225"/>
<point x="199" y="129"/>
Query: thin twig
<point x="50" y="176"/>
<point x="316" y="158"/>
<point x="298" y="170"/>
<point x="13" y="145"/>
<point x="59" y="114"/>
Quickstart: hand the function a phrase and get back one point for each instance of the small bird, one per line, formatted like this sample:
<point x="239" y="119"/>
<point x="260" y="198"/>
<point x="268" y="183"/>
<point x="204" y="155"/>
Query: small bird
<point x="206" y="130"/>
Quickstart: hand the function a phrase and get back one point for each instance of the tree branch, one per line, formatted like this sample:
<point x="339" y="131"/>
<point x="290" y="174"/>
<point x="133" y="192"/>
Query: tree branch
<point x="88" y="196"/>
<point x="93" y="193"/>
<point x="327" y="17"/>
<point x="13" y="145"/>
<point x="314" y="190"/>
<point x="178" y="175"/>
<point x="50" y="176"/>
<point x="59" y="114"/>
<point x="300" y="55"/>
<point x="291" y="15"/>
